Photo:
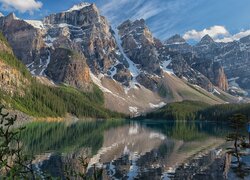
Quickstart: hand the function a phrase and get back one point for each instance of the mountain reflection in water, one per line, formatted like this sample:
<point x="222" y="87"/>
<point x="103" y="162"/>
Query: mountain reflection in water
<point x="126" y="150"/>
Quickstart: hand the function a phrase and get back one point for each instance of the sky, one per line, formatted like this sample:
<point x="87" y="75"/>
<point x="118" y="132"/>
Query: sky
<point x="223" y="20"/>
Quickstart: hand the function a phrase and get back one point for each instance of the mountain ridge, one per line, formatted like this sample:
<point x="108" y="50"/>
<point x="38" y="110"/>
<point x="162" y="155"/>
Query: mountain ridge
<point x="126" y="63"/>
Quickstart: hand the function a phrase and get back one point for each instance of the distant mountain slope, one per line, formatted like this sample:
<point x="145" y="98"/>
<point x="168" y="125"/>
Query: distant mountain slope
<point x="233" y="57"/>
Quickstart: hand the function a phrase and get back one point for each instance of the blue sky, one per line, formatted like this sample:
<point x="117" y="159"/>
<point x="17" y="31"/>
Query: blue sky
<point x="224" y="20"/>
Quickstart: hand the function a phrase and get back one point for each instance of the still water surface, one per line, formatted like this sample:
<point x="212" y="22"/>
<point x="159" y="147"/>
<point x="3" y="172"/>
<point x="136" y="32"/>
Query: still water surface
<point x="129" y="150"/>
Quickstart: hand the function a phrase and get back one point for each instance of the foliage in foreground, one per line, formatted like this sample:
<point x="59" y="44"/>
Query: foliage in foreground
<point x="237" y="123"/>
<point x="13" y="163"/>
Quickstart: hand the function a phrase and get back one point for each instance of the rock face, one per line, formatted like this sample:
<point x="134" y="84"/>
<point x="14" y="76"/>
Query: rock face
<point x="78" y="46"/>
<point x="233" y="57"/>
<point x="200" y="59"/>
<point x="183" y="70"/>
<point x="25" y="40"/>
<point x="72" y="69"/>
<point x="11" y="80"/>
<point x="139" y="45"/>
<point x="222" y="81"/>
<point x="155" y="57"/>
<point x="86" y="31"/>
<point x="83" y="30"/>
<point x="177" y="43"/>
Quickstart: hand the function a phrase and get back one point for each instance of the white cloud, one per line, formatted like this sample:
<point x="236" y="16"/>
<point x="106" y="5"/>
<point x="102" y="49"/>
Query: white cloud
<point x="147" y="11"/>
<point x="118" y="11"/>
<point x="234" y="37"/>
<point x="214" y="32"/>
<point x="218" y="33"/>
<point x="21" y="5"/>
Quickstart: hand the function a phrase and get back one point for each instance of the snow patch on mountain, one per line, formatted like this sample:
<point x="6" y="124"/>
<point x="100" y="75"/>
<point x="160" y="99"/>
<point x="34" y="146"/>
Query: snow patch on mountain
<point x="216" y="91"/>
<point x="30" y="65"/>
<point x="164" y="65"/>
<point x="49" y="41"/>
<point x="46" y="64"/>
<point x="175" y="43"/>
<point x="113" y="70"/>
<point x="78" y="7"/>
<point x="132" y="66"/>
<point x="36" y="23"/>
<point x="232" y="82"/>
<point x="97" y="81"/>
<point x="161" y="104"/>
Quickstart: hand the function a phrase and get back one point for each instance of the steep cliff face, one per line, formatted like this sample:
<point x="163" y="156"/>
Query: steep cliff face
<point x="11" y="80"/>
<point x="183" y="70"/>
<point x="72" y="69"/>
<point x="222" y="81"/>
<point x="139" y="45"/>
<point x="85" y="30"/>
<point x="156" y="58"/>
<point x="26" y="41"/>
<point x="210" y="69"/>
<point x="233" y="57"/>
<point x="177" y="43"/>
<point x="205" y="46"/>
<point x="201" y="60"/>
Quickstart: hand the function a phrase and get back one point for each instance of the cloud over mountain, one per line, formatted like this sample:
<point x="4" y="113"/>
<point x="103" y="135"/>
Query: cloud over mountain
<point x="21" y="5"/>
<point x="235" y="36"/>
<point x="214" y="32"/>
<point x="218" y="33"/>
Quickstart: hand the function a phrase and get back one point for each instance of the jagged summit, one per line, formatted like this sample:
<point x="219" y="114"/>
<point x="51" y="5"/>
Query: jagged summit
<point x="139" y="23"/>
<point x="245" y="39"/>
<point x="79" y="15"/>
<point x="11" y="16"/>
<point x="1" y="14"/>
<point x="176" y="39"/>
<point x="79" y="6"/>
<point x="129" y="65"/>
<point x="178" y="43"/>
<point x="206" y="40"/>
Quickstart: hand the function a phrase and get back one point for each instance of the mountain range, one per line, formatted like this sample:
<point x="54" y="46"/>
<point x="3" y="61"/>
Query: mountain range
<point x="136" y="71"/>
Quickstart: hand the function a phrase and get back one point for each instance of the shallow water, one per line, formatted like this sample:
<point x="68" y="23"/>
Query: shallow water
<point x="128" y="149"/>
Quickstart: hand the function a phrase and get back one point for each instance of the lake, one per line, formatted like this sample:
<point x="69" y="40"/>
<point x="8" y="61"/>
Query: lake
<point x="129" y="149"/>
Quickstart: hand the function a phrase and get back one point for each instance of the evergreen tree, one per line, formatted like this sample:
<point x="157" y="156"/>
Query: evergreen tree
<point x="237" y="123"/>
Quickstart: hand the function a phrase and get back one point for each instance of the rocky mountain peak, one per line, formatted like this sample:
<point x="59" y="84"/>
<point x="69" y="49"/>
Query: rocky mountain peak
<point x="1" y="14"/>
<point x="245" y="39"/>
<point x="139" y="44"/>
<point x="82" y="14"/>
<point x="137" y="28"/>
<point x="178" y="43"/>
<point x="78" y="7"/>
<point x="176" y="39"/>
<point x="206" y="40"/>
<point x="11" y="16"/>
